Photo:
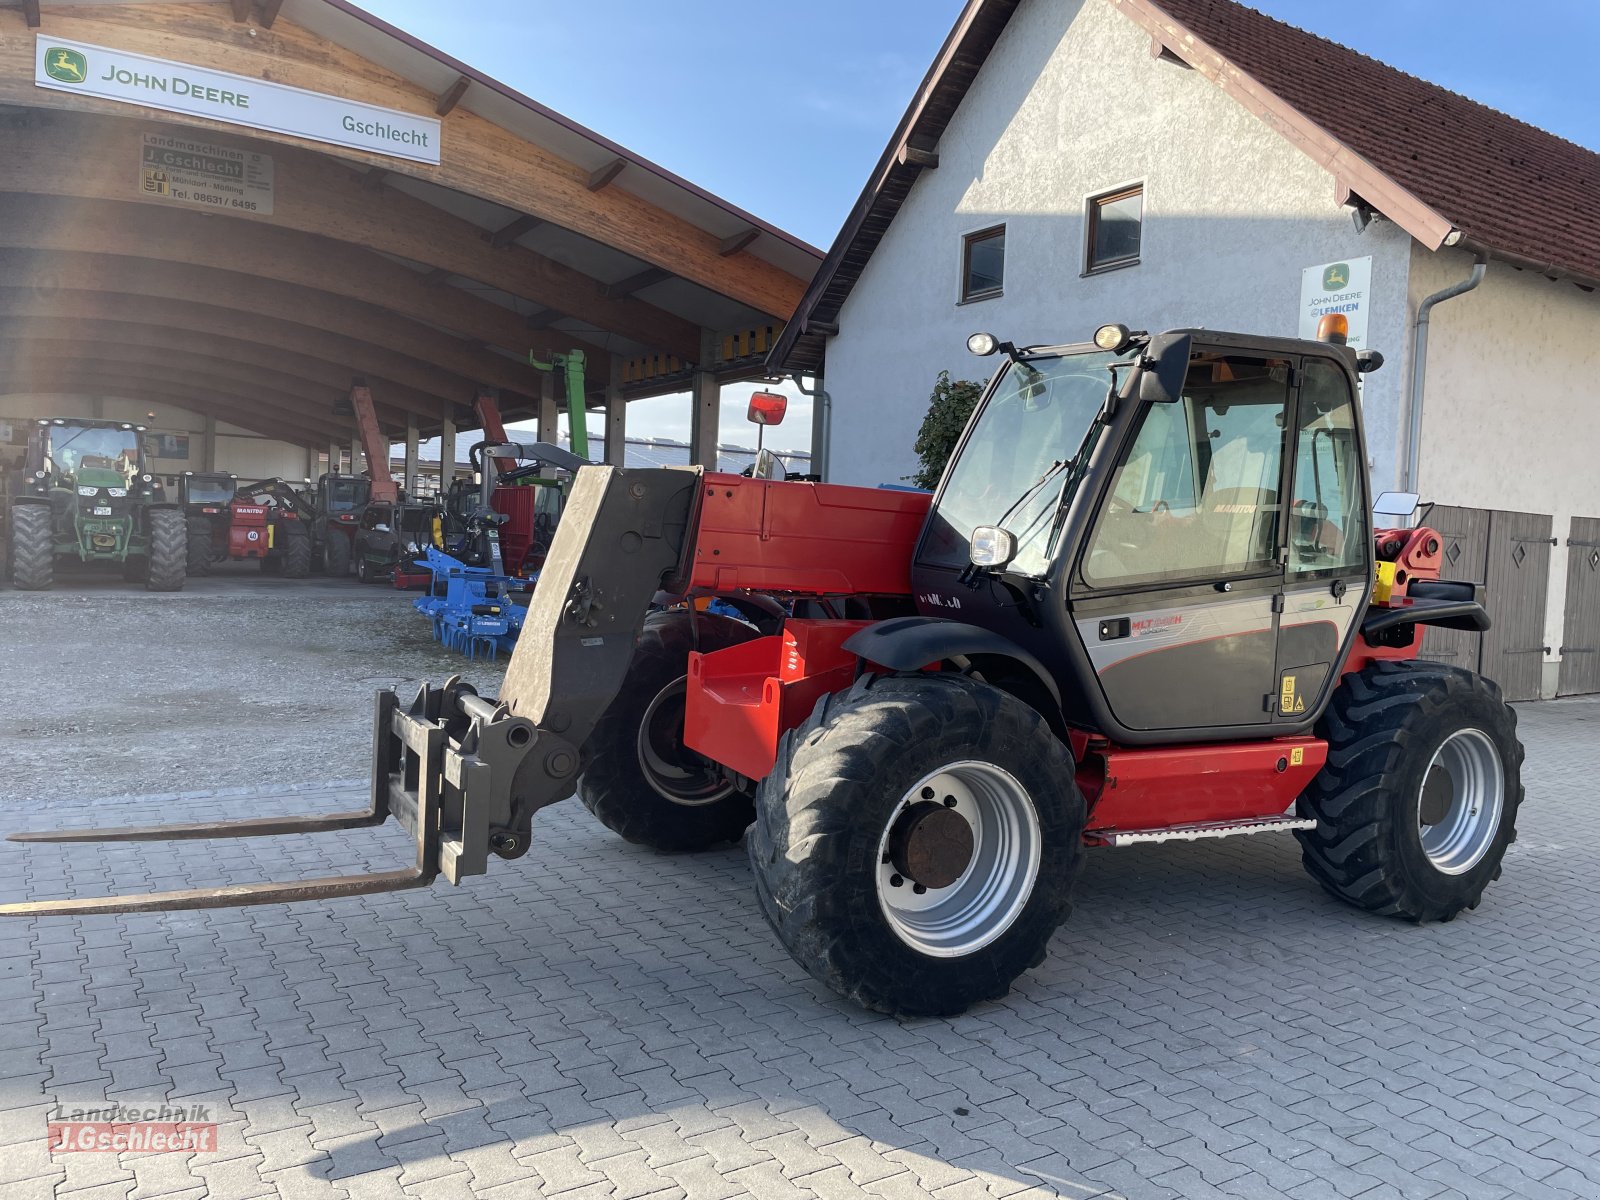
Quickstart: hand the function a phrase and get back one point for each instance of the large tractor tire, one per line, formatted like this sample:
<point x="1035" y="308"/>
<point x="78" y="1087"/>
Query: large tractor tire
<point x="639" y="778"/>
<point x="295" y="562"/>
<point x="336" y="556"/>
<point x="33" y="551"/>
<point x="1419" y="799"/>
<point x="916" y="846"/>
<point x="169" y="551"/>
<point x="199" y="549"/>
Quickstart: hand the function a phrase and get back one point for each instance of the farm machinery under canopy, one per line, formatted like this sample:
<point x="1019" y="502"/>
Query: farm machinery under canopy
<point x="1146" y="603"/>
<point x="86" y="492"/>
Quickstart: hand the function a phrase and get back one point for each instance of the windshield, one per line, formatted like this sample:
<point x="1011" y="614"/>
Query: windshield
<point x="208" y="491"/>
<point x="1013" y="467"/>
<point x="73" y="447"/>
<point x="346" y="494"/>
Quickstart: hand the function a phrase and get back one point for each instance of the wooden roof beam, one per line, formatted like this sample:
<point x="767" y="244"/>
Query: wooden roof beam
<point x="30" y="13"/>
<point x="241" y="11"/>
<point x="737" y="242"/>
<point x="506" y="234"/>
<point x="321" y="264"/>
<point x="62" y="154"/>
<point x="269" y="12"/>
<point x="603" y="177"/>
<point x="227" y="357"/>
<point x="445" y="102"/>
<point x="251" y="301"/>
<point x="480" y="157"/>
<point x="248" y="408"/>
<point x="634" y="283"/>
<point x="288" y="392"/>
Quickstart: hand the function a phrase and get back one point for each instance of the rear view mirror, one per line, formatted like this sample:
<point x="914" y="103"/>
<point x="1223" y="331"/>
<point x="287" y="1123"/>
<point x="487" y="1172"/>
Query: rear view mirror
<point x="1395" y="504"/>
<point x="767" y="408"/>
<point x="1163" y="368"/>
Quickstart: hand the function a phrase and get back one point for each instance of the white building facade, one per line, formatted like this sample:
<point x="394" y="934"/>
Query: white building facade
<point x="1078" y="100"/>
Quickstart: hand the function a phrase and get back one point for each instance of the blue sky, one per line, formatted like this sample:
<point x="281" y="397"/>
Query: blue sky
<point x="783" y="107"/>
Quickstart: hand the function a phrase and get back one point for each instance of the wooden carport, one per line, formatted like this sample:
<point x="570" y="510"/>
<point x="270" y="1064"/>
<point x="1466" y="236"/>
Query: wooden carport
<point x="433" y="281"/>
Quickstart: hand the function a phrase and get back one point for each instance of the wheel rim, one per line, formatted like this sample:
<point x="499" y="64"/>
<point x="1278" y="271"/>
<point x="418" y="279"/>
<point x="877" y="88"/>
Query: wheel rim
<point x="989" y="894"/>
<point x="671" y="768"/>
<point x="1463" y="797"/>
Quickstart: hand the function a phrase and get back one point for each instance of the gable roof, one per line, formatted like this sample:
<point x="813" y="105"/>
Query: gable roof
<point x="1445" y="168"/>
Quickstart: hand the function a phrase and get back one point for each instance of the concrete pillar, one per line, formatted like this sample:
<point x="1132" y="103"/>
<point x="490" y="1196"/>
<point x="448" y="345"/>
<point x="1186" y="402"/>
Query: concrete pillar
<point x="705" y="414"/>
<point x="411" y="456"/>
<point x="447" y="450"/>
<point x="335" y="457"/>
<point x="549" y="418"/>
<point x="208" y="445"/>
<point x="313" y="465"/>
<point x="616" y="417"/>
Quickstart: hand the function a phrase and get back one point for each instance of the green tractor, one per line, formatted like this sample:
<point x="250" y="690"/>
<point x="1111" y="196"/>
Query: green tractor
<point x="86" y="492"/>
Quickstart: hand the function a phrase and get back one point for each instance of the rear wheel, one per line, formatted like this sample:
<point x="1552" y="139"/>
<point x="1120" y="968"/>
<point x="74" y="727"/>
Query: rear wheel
<point x="1419" y="799"/>
<point x="33" y="551"/>
<point x="639" y="778"/>
<point x="169" y="550"/>
<point x="199" y="549"/>
<point x="916" y="846"/>
<point x="336" y="555"/>
<point x="295" y="562"/>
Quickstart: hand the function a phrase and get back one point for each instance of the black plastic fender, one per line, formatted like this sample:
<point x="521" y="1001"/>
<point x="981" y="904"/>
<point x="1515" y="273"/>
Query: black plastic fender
<point x="1447" y="614"/>
<point x="911" y="643"/>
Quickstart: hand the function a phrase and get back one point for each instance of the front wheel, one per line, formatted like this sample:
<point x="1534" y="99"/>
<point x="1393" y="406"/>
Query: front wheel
<point x="169" y="551"/>
<point x="296" y="560"/>
<point x="199" y="549"/>
<point x="33" y="551"/>
<point x="336" y="555"/>
<point x="916" y="846"/>
<point x="639" y="778"/>
<point x="1418" y="802"/>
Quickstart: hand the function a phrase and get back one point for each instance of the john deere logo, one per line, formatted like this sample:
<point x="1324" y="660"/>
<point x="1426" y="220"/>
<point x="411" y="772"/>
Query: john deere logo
<point x="1336" y="278"/>
<point x="65" y="65"/>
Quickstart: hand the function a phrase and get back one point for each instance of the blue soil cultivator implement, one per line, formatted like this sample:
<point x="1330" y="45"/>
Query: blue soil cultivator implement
<point x="474" y="611"/>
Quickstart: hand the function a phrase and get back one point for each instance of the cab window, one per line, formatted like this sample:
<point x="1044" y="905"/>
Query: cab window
<point x="1327" y="519"/>
<point x="1197" y="494"/>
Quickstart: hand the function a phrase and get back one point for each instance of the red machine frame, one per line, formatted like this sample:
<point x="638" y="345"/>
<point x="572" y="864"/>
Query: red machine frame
<point x="822" y="540"/>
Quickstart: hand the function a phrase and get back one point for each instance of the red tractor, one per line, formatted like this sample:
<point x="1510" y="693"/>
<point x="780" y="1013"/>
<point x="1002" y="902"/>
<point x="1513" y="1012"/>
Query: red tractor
<point x="1145" y="604"/>
<point x="227" y="522"/>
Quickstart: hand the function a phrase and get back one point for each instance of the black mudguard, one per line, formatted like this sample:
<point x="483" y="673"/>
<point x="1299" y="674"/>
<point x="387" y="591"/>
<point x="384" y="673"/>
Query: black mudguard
<point x="911" y="643"/>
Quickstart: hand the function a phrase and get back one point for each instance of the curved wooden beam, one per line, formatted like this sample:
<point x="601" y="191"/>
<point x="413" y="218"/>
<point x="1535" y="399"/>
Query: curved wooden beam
<point x="289" y="398"/>
<point x="244" y="300"/>
<point x="478" y="157"/>
<point x="320" y="264"/>
<point x="290" y="372"/>
<point x="93" y="379"/>
<point x="70" y="155"/>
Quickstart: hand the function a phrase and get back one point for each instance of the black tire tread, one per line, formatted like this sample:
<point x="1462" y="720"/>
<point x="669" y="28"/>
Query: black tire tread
<point x="803" y="814"/>
<point x="199" y="549"/>
<point x="296" y="557"/>
<point x="336" y="556"/>
<point x="613" y="786"/>
<point x="1371" y="727"/>
<point x="169" y="550"/>
<point x="33" y="558"/>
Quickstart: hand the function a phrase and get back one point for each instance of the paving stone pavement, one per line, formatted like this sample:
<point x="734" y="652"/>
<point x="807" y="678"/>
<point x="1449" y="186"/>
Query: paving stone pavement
<point x="599" y="1021"/>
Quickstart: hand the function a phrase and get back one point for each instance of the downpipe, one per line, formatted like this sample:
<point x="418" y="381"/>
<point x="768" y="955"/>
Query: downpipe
<point x="824" y="423"/>
<point x="1419" y="365"/>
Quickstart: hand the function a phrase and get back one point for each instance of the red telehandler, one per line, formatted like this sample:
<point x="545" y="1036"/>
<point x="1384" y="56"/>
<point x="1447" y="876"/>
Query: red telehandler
<point x="1146" y="603"/>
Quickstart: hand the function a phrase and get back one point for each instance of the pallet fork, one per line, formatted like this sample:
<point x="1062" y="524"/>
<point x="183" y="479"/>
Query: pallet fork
<point x="461" y="773"/>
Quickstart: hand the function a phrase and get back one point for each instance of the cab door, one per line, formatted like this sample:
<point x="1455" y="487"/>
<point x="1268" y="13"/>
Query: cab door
<point x="1327" y="576"/>
<point x="1180" y="577"/>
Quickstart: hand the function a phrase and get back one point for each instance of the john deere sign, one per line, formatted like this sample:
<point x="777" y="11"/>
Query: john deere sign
<point x="237" y="99"/>
<point x="1339" y="287"/>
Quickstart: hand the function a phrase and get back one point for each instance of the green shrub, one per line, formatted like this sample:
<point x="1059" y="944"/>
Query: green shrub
<point x="949" y="408"/>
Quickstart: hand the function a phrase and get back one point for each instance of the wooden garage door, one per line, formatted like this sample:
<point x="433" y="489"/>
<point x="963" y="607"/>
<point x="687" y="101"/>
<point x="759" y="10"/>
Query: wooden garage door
<point x="1509" y="553"/>
<point x="1580" y="650"/>
<point x="1464" y="533"/>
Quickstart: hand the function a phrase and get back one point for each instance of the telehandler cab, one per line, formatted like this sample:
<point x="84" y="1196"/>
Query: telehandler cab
<point x="1146" y="603"/>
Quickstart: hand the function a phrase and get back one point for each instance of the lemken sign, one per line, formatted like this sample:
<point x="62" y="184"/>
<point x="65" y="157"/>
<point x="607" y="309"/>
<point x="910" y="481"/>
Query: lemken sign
<point x="83" y="69"/>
